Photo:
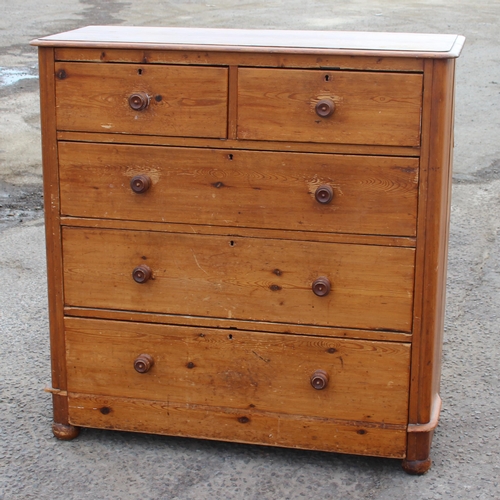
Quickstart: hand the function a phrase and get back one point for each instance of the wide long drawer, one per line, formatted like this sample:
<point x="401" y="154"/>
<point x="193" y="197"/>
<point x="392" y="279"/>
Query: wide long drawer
<point x="365" y="381"/>
<point x="258" y="279"/>
<point x="308" y="192"/>
<point x="169" y="100"/>
<point x="329" y="106"/>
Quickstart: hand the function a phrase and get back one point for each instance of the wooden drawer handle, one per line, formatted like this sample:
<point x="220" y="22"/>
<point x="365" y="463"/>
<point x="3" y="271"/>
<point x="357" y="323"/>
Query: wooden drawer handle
<point x="140" y="183"/>
<point x="321" y="286"/>
<point x="324" y="194"/>
<point x="141" y="273"/>
<point x="138" y="101"/>
<point x="325" y="108"/>
<point x="143" y="363"/>
<point x="319" y="379"/>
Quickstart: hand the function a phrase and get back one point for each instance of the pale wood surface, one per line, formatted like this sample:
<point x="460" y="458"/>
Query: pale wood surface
<point x="370" y="108"/>
<point x="437" y="215"/>
<point x="305" y="147"/>
<point x="52" y="231"/>
<point x="421" y="248"/>
<point x="368" y="381"/>
<point x="94" y="98"/>
<point x="431" y="279"/>
<point x="270" y="59"/>
<point x="232" y="324"/>
<point x="224" y="424"/>
<point x="235" y="238"/>
<point x="280" y="234"/>
<point x="431" y="425"/>
<point x="431" y="45"/>
<point x="241" y="278"/>
<point x="372" y="195"/>
<point x="232" y="115"/>
<point x="440" y="205"/>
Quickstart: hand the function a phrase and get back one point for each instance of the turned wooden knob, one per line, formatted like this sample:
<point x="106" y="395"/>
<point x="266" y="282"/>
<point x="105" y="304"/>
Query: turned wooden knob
<point x="319" y="379"/>
<point x="321" y="286"/>
<point x="325" y="108"/>
<point x="138" y="101"/>
<point x="140" y="183"/>
<point x="324" y="194"/>
<point x="141" y="273"/>
<point x="143" y="363"/>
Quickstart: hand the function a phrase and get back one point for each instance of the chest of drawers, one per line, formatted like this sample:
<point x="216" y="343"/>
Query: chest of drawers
<point x="247" y="234"/>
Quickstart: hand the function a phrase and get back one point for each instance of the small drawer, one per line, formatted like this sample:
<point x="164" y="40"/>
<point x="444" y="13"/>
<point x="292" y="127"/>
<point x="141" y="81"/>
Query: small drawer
<point x="329" y="106"/>
<point x="287" y="281"/>
<point x="186" y="101"/>
<point x="355" y="380"/>
<point x="295" y="191"/>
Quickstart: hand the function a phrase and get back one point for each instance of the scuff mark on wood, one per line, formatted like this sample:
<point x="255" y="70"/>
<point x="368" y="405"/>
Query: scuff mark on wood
<point x="260" y="357"/>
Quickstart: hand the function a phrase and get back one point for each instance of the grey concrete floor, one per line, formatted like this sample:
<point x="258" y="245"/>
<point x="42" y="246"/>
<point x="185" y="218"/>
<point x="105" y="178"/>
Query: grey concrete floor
<point x="102" y="465"/>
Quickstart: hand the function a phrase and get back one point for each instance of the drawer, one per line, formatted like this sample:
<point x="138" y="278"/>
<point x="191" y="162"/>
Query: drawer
<point x="179" y="100"/>
<point x="368" y="107"/>
<point x="365" y="381"/>
<point x="371" y="287"/>
<point x="369" y="195"/>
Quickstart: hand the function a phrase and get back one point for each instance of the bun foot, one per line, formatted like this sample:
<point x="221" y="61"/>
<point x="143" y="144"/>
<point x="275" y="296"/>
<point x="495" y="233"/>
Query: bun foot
<point x="417" y="467"/>
<point x="65" y="432"/>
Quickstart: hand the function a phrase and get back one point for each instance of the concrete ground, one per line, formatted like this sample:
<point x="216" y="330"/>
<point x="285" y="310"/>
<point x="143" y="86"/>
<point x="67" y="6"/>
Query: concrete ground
<point x="102" y="465"/>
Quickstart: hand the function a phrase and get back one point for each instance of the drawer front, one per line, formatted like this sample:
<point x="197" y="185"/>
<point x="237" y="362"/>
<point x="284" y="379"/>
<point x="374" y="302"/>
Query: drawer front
<point x="365" y="381"/>
<point x="369" y="195"/>
<point x="240" y="278"/>
<point x="186" y="101"/>
<point x="368" y="108"/>
<point x="244" y="426"/>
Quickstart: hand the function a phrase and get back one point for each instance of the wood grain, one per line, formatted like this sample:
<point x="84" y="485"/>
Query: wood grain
<point x="184" y="101"/>
<point x="358" y="239"/>
<point x="241" y="370"/>
<point x="232" y="114"/>
<point x="230" y="277"/>
<point x="52" y="232"/>
<point x="421" y="248"/>
<point x="218" y="58"/>
<point x="248" y="426"/>
<point x="372" y="195"/>
<point x="431" y="273"/>
<point x="279" y="105"/>
<point x="303" y="147"/>
<point x="232" y="324"/>
<point x="234" y="237"/>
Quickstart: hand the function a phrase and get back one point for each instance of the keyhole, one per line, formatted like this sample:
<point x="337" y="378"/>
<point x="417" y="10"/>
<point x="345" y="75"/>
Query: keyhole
<point x="231" y="243"/>
<point x="327" y="78"/>
<point x="230" y="157"/>
<point x="139" y="71"/>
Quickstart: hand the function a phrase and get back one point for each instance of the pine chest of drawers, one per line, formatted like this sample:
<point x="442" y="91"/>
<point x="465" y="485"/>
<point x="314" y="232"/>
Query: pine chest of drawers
<point x="247" y="234"/>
